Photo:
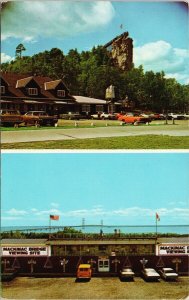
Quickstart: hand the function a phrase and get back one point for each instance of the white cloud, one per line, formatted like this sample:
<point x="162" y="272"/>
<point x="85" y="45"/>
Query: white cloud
<point x="11" y="218"/>
<point x="47" y="212"/>
<point x="29" y="39"/>
<point x="6" y="58"/>
<point x="54" y="204"/>
<point x="28" y="19"/>
<point x="16" y="212"/>
<point x="130" y="212"/>
<point x="161" y="56"/>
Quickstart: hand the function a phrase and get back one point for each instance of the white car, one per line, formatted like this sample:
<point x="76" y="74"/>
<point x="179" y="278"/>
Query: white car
<point x="103" y="116"/>
<point x="150" y="274"/>
<point x="126" y="273"/>
<point x="168" y="274"/>
<point x="174" y="116"/>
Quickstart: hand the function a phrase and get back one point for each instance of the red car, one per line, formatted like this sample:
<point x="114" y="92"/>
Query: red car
<point x="129" y="119"/>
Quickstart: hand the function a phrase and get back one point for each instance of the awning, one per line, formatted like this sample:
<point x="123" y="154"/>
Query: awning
<point x="33" y="102"/>
<point x="60" y="102"/>
<point x="88" y="100"/>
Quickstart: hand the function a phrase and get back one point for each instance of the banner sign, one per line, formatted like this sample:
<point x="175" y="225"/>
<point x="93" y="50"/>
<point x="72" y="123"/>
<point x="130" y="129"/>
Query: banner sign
<point x="173" y="249"/>
<point x="25" y="251"/>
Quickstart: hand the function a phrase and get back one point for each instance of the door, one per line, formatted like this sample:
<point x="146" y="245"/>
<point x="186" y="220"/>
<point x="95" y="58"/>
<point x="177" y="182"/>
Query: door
<point x="103" y="265"/>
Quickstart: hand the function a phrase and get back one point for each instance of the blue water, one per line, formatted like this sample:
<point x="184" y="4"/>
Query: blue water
<point x="178" y="229"/>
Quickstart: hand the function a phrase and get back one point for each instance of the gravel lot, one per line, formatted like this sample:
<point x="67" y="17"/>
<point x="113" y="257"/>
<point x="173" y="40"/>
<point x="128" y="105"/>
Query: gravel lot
<point x="96" y="288"/>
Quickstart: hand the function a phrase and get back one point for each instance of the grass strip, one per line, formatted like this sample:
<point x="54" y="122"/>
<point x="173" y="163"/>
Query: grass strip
<point x="128" y="142"/>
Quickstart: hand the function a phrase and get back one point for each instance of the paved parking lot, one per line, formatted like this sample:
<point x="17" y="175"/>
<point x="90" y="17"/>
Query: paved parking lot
<point x="95" y="132"/>
<point x="96" y="288"/>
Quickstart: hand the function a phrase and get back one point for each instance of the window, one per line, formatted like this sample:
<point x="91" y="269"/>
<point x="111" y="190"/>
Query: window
<point x="2" y="89"/>
<point x="86" y="108"/>
<point x="61" y="93"/>
<point x="99" y="108"/>
<point x="32" y="91"/>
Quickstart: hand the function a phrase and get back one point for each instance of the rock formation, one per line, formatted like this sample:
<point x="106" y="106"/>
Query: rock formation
<point x="121" y="51"/>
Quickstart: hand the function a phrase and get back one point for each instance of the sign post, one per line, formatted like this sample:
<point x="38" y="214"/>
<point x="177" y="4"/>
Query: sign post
<point x="31" y="262"/>
<point x="116" y="262"/>
<point x="63" y="263"/>
<point x="143" y="262"/>
<point x="176" y="261"/>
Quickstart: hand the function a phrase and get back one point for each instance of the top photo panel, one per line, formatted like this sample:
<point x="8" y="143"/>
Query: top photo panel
<point x="94" y="75"/>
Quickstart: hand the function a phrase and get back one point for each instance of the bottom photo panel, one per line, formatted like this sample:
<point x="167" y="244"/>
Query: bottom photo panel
<point x="95" y="225"/>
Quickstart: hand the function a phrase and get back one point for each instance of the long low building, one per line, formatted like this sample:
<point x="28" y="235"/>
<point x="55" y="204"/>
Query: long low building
<point x="25" y="93"/>
<point x="107" y="256"/>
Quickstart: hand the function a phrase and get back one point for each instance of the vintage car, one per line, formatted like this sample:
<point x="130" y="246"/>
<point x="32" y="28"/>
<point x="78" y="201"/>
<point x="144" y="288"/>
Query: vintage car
<point x="71" y="116"/>
<point x="168" y="274"/>
<point x="157" y="116"/>
<point x="173" y="116"/>
<point x="133" y="119"/>
<point x="84" y="271"/>
<point x="10" y="117"/>
<point x="150" y="274"/>
<point x="39" y="118"/>
<point x="126" y="273"/>
<point x="104" y="116"/>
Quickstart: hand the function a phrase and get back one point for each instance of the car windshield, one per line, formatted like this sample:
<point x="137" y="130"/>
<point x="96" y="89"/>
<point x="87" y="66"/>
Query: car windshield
<point x="168" y="271"/>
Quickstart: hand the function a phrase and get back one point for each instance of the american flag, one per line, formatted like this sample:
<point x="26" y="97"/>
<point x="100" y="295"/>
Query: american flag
<point x="157" y="217"/>
<point x="54" y="217"/>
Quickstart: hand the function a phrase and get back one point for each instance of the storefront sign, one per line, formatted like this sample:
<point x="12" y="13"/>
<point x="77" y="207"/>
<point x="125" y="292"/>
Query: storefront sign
<point x="25" y="251"/>
<point x="173" y="249"/>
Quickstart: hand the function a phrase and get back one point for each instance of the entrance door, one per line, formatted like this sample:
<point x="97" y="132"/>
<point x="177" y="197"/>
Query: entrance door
<point x="103" y="265"/>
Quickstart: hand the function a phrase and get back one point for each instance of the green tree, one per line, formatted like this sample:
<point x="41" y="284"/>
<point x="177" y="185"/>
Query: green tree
<point x="19" y="49"/>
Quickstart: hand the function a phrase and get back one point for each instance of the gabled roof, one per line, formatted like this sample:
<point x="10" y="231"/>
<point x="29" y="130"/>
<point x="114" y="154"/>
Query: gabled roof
<point x="23" y="82"/>
<point x="51" y="85"/>
<point x="16" y="81"/>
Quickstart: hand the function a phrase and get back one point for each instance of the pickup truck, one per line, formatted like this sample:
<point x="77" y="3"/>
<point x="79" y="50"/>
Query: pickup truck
<point x="10" y="117"/>
<point x="39" y="118"/>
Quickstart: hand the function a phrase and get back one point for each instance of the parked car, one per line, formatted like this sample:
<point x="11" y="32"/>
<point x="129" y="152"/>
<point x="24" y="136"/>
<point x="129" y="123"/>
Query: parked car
<point x="126" y="273"/>
<point x="129" y="119"/>
<point x="173" y="116"/>
<point x="168" y="274"/>
<point x="103" y="116"/>
<point x="150" y="274"/>
<point x="156" y="116"/>
<point x="39" y="118"/>
<point x="71" y="116"/>
<point x="84" y="271"/>
<point x="10" y="117"/>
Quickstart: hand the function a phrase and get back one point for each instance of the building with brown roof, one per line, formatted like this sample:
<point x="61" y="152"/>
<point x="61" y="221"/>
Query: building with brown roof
<point x="26" y="93"/>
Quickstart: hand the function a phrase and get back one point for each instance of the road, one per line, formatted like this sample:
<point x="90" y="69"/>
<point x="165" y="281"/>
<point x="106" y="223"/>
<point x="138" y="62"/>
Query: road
<point x="95" y="132"/>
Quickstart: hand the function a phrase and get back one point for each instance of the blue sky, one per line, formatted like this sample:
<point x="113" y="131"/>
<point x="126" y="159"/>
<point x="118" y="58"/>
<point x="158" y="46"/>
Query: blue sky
<point x="118" y="188"/>
<point x="159" y="30"/>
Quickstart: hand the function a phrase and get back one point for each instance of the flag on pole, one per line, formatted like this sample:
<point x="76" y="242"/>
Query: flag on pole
<point x="157" y="217"/>
<point x="54" y="217"/>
